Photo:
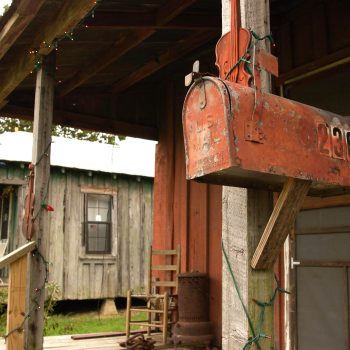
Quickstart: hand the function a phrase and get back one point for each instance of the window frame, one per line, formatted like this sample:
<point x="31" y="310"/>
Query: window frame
<point x="86" y="223"/>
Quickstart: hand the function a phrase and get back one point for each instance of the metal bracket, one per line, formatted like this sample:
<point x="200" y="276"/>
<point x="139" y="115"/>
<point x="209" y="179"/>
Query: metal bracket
<point x="202" y="96"/>
<point x="191" y="77"/>
<point x="293" y="263"/>
<point x="268" y="62"/>
<point x="253" y="132"/>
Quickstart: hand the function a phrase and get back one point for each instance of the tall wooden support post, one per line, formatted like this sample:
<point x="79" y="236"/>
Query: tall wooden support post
<point x="43" y="110"/>
<point x="245" y="214"/>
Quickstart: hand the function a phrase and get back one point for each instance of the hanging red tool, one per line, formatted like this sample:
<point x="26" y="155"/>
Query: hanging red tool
<point x="27" y="223"/>
<point x="231" y="47"/>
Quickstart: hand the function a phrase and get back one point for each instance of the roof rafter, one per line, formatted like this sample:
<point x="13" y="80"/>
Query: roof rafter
<point x="87" y="122"/>
<point x="17" y="23"/>
<point x="69" y="15"/>
<point x="163" y="15"/>
<point x="141" y="20"/>
<point x="172" y="54"/>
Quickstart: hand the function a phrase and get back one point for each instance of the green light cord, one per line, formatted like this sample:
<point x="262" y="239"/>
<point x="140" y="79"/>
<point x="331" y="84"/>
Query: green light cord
<point x="255" y="336"/>
<point x="250" y="322"/>
<point x="243" y="57"/>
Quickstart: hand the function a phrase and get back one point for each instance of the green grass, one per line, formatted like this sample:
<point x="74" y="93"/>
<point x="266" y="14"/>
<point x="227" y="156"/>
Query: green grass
<point x="81" y="323"/>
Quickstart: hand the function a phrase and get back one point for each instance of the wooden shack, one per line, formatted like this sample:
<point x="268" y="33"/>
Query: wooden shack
<point x="85" y="264"/>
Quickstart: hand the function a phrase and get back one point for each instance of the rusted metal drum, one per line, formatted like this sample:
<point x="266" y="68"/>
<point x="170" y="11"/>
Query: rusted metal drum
<point x="193" y="327"/>
<point x="240" y="137"/>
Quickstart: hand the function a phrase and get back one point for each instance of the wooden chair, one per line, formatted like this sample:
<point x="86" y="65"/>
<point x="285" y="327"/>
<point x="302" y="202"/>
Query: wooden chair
<point x="160" y="296"/>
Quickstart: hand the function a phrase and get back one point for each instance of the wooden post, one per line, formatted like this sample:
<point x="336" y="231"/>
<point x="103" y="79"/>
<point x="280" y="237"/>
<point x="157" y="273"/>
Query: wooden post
<point x="245" y="215"/>
<point x="43" y="109"/>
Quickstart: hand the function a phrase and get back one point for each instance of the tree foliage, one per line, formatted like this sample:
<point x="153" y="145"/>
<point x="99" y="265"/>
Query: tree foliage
<point x="13" y="124"/>
<point x="5" y="9"/>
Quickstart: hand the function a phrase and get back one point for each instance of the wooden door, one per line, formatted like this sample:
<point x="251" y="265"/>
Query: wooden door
<point x="322" y="265"/>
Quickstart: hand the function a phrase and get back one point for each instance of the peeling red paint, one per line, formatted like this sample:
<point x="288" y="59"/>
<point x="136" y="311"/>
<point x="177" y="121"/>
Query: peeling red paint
<point x="290" y="139"/>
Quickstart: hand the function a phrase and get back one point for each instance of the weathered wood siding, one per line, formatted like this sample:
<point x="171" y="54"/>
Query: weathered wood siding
<point x="91" y="276"/>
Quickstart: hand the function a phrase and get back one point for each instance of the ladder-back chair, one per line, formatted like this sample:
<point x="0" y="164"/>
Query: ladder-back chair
<point x="161" y="293"/>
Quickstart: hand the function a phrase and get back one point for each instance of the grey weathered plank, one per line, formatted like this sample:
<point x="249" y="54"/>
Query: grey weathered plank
<point x="123" y="237"/>
<point x="134" y="234"/>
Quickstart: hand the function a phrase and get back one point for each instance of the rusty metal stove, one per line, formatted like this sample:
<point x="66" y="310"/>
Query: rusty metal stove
<point x="193" y="327"/>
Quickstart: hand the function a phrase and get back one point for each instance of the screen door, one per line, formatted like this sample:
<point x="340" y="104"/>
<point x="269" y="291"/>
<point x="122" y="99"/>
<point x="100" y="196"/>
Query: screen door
<point x="322" y="279"/>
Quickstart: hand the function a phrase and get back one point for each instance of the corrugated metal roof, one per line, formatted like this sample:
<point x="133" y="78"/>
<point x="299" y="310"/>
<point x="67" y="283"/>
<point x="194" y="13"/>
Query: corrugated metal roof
<point x="131" y="156"/>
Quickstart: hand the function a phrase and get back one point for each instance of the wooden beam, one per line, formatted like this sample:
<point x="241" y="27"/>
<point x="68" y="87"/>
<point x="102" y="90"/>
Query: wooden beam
<point x="43" y="111"/>
<point x="17" y="254"/>
<point x="87" y="122"/>
<point x="326" y="202"/>
<point x="317" y="66"/>
<point x="172" y="54"/>
<point x="166" y="13"/>
<point x="131" y="21"/>
<point x="69" y="15"/>
<point x="245" y="214"/>
<point x="25" y="12"/>
<point x="280" y="223"/>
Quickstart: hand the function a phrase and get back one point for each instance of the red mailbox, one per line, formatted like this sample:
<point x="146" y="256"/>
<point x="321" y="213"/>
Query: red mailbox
<point x="236" y="136"/>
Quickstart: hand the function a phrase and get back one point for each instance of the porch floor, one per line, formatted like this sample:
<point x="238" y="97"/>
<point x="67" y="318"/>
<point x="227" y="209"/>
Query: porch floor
<point x="62" y="342"/>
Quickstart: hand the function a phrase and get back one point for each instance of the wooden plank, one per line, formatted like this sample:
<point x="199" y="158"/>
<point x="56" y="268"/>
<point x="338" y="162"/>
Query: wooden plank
<point x="57" y="229"/>
<point x="164" y="267"/>
<point x="98" y="190"/>
<point x="16" y="254"/>
<point x="164" y="283"/>
<point x="74" y="214"/>
<point x="16" y="307"/>
<point x="215" y="260"/>
<point x="164" y="252"/>
<point x="141" y="20"/>
<point x="198" y="227"/>
<point x="326" y="202"/>
<point x="147" y="225"/>
<point x="170" y="10"/>
<point x="12" y="182"/>
<point x="163" y="218"/>
<point x="134" y="237"/>
<point x="44" y="96"/>
<point x="147" y="310"/>
<point x="181" y="193"/>
<point x="173" y="53"/>
<point x="280" y="223"/>
<point x="143" y="324"/>
<point x="69" y="15"/>
<point x="322" y="263"/>
<point x="123" y="278"/>
<point x="315" y="67"/>
<point x="143" y="267"/>
<point x="87" y="122"/>
<point x="25" y="12"/>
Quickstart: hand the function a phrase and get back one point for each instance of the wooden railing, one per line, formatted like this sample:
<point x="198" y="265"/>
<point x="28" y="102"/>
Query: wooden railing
<point x="17" y="294"/>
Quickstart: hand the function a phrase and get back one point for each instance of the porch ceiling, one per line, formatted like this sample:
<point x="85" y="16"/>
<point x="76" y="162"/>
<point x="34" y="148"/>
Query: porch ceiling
<point x="111" y="56"/>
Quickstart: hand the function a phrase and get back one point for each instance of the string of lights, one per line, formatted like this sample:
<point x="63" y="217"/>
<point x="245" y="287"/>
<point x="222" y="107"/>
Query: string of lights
<point x="54" y="44"/>
<point x="244" y="58"/>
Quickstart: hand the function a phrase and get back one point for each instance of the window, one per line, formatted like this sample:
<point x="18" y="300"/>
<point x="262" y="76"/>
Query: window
<point x="98" y="223"/>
